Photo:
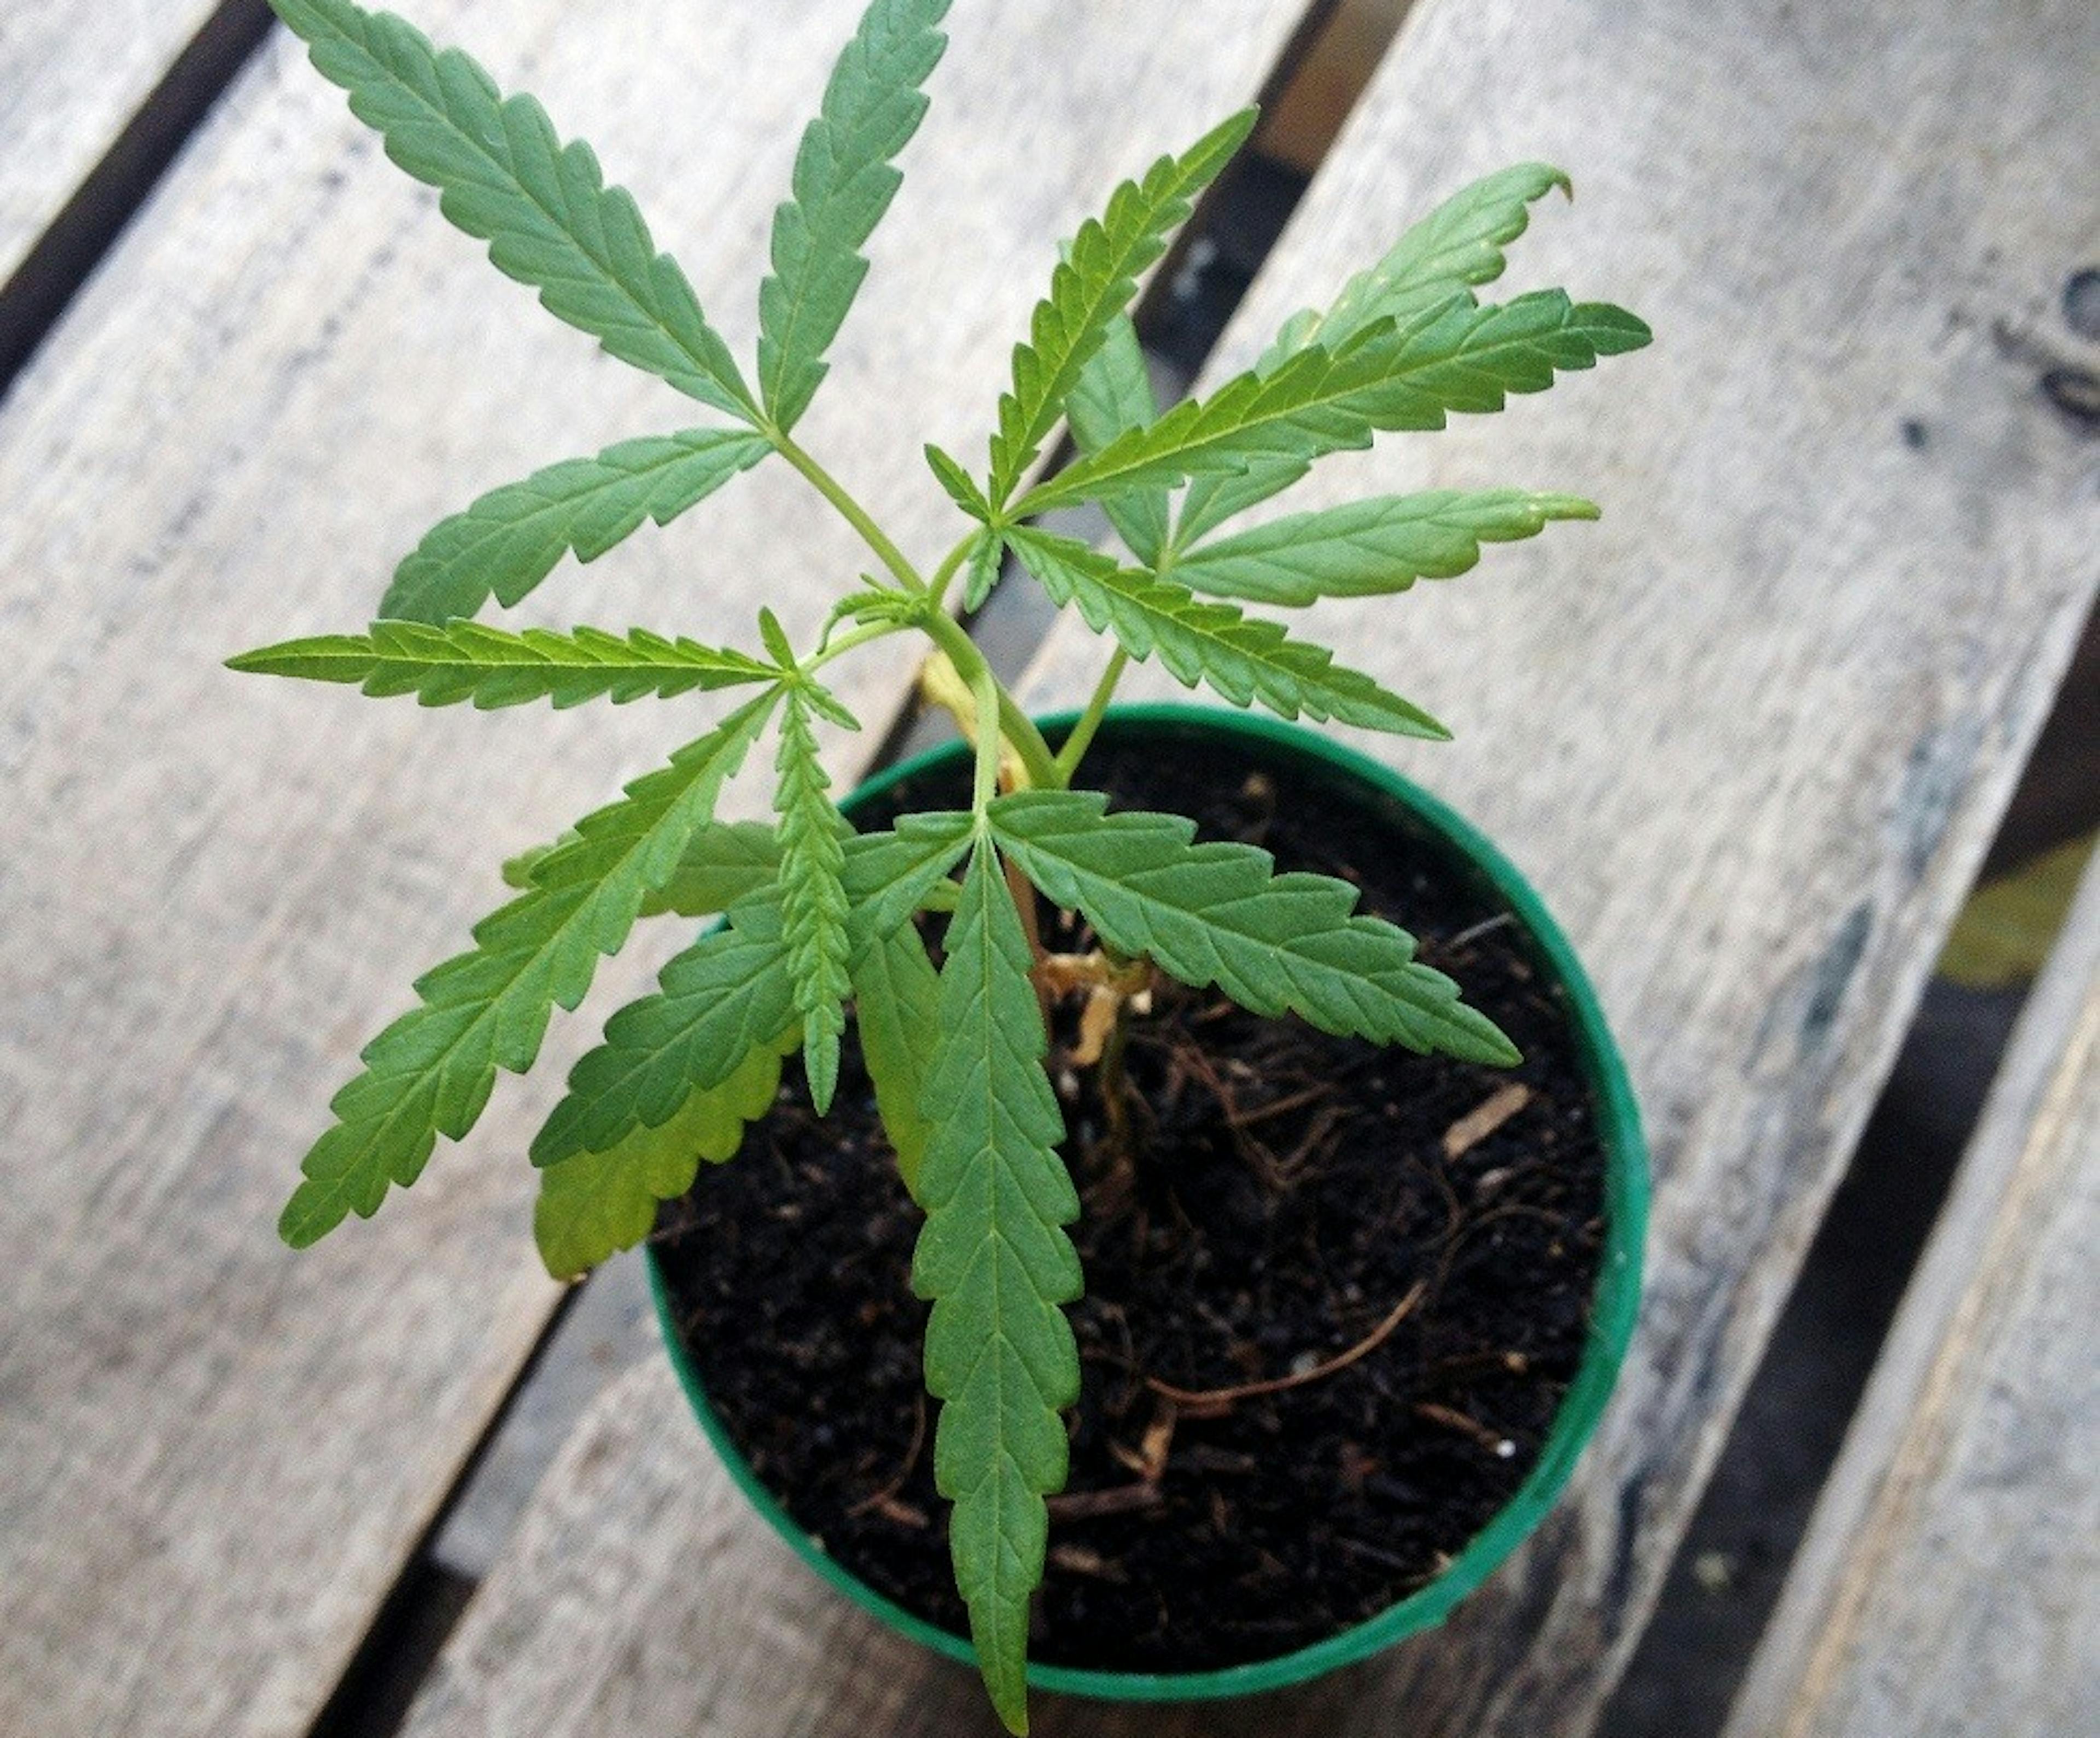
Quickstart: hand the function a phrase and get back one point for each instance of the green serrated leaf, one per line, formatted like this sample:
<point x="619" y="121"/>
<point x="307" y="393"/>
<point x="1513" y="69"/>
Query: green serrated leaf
<point x="733" y="986"/>
<point x="465" y="661"/>
<point x="511" y="538"/>
<point x="827" y="705"/>
<point x="725" y="862"/>
<point x="812" y="898"/>
<point x="961" y="488"/>
<point x="1093" y="284"/>
<point x="987" y="559"/>
<point x="844" y="181"/>
<point x="774" y="637"/>
<point x="1217" y="913"/>
<point x="889" y="875"/>
<point x="505" y="177"/>
<point x="728" y="992"/>
<point x="1242" y="658"/>
<point x="997" y="1265"/>
<point x="897" y="1006"/>
<point x="1369" y="548"/>
<point x="1456" y="247"/>
<point x="431" y="1072"/>
<point x="593" y="1205"/>
<point x="1113" y="397"/>
<point x="1411" y="375"/>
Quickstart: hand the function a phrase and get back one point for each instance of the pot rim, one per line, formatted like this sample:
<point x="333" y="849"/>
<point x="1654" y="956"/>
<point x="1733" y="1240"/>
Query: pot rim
<point x="1614" y="1309"/>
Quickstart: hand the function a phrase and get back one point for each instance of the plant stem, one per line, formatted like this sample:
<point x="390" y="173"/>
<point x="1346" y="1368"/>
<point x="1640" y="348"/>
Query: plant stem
<point x="986" y="784"/>
<point x="845" y="642"/>
<point x="1114" y="1085"/>
<point x="1018" y="728"/>
<point x="1082" y="738"/>
<point x="851" y="510"/>
<point x="937" y="586"/>
<point x="1027" y="741"/>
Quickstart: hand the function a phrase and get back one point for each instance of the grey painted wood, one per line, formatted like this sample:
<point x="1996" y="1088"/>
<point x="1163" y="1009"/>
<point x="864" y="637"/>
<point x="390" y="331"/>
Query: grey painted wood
<point x="1950" y="1582"/>
<point x="216" y="888"/>
<point x="1749" y="736"/>
<point x="71" y="77"/>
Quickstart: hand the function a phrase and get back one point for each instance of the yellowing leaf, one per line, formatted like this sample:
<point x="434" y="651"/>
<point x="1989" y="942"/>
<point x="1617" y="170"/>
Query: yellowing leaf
<point x="593" y="1205"/>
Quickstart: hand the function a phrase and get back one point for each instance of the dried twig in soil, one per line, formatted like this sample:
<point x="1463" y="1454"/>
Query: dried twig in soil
<point x="1088" y="1504"/>
<point x="1477" y="1124"/>
<point x="1209" y="1402"/>
<point x="1493" y="1441"/>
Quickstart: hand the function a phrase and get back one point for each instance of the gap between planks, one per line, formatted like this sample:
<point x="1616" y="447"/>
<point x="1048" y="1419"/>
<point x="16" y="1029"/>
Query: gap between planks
<point x="1948" y="1581"/>
<point x="65" y="194"/>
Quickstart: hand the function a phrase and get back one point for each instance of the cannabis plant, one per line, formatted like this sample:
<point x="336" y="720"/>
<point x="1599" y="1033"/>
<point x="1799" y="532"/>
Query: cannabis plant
<point x="804" y="917"/>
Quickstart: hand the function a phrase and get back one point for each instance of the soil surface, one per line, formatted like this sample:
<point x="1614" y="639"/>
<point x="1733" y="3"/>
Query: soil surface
<point x="1334" y="1298"/>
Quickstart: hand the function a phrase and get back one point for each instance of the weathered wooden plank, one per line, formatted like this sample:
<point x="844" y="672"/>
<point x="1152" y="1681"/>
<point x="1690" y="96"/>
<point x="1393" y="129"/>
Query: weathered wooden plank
<point x="71" y="78"/>
<point x="1950" y="1582"/>
<point x="1752" y="735"/>
<point x="218" y="1453"/>
<point x="1749" y="736"/>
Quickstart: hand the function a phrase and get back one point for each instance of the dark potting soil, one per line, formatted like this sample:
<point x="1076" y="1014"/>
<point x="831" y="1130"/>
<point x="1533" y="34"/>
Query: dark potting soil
<point x="1290" y="1194"/>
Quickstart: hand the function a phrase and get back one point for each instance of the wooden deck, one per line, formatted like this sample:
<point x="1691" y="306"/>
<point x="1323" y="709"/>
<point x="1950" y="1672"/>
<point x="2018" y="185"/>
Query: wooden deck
<point x="1751" y="736"/>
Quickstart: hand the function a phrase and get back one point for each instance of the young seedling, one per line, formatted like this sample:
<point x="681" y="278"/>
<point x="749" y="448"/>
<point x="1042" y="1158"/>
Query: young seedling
<point x="806" y="917"/>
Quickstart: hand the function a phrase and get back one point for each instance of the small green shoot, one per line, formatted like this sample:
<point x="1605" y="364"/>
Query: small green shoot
<point x="806" y="924"/>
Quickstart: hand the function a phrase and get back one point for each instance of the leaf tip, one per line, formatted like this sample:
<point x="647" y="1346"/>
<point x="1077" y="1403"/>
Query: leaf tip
<point x="1236" y="127"/>
<point x="1616" y="330"/>
<point x="1013" y="1710"/>
<point x="1480" y="1039"/>
<point x="299" y="1225"/>
<point x="1002" y="1664"/>
<point x="261" y="660"/>
<point x="561" y="1263"/>
<point x="1406" y="719"/>
<point x="823" y="1060"/>
<point x="775" y="638"/>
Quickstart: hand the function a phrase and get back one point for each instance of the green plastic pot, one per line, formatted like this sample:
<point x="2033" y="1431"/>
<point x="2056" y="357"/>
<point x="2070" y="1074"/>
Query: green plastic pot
<point x="1352" y="778"/>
